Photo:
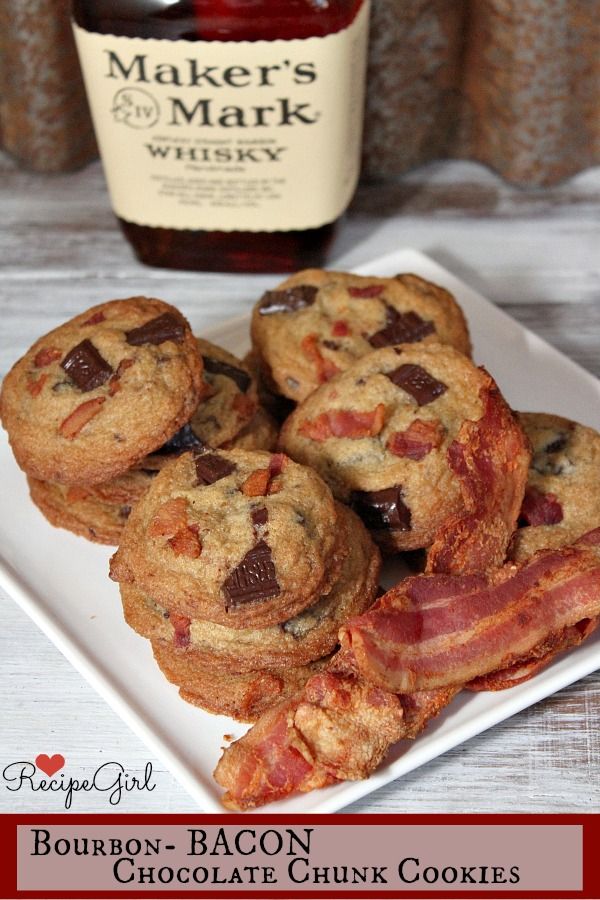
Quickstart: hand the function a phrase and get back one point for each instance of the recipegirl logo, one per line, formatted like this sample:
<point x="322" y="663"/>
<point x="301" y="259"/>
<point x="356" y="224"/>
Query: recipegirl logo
<point x="110" y="779"/>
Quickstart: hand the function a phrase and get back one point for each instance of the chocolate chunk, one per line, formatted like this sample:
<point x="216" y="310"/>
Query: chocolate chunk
<point x="184" y="439"/>
<point x="84" y="365"/>
<point x="417" y="382"/>
<point x="382" y="509"/>
<point x="216" y="367"/>
<point x="254" y="579"/>
<point x="557" y="445"/>
<point x="331" y="345"/>
<point x="124" y="512"/>
<point x="400" y="328"/>
<point x="290" y="300"/>
<point x="210" y="467"/>
<point x="259" y="516"/>
<point x="164" y="328"/>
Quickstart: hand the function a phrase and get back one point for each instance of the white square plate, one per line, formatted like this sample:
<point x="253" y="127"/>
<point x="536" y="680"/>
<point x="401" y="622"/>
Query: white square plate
<point x="61" y="581"/>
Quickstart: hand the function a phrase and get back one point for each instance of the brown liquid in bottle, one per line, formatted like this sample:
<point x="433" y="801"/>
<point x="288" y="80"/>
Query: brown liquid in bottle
<point x="221" y="20"/>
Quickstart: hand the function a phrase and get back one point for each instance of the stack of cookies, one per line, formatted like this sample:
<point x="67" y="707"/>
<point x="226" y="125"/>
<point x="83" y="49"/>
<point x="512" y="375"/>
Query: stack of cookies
<point x="96" y="407"/>
<point x="240" y="568"/>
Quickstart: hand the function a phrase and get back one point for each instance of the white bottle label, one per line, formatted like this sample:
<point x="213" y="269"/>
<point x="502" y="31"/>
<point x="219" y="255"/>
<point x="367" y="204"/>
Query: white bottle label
<point x="228" y="135"/>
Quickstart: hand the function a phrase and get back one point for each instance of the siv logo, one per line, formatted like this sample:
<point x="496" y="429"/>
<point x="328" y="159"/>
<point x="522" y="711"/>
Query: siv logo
<point x="136" y="108"/>
<point x="110" y="778"/>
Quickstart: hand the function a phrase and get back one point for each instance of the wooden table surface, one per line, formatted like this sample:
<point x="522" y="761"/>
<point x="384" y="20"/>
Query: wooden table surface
<point x="535" y="253"/>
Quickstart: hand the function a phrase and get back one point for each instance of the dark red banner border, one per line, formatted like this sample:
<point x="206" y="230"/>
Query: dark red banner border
<point x="8" y="838"/>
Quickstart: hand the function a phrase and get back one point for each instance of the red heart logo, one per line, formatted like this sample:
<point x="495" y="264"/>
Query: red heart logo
<point x="50" y="764"/>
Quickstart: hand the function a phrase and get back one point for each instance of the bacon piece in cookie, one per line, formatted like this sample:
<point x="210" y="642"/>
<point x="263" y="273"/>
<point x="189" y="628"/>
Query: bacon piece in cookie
<point x="264" y="481"/>
<point x="540" y="509"/>
<point x="490" y="457"/>
<point x="45" y="356"/>
<point x="344" y="423"/>
<point x="80" y="417"/>
<point x="326" y="369"/>
<point x="35" y="386"/>
<point x="171" y="522"/>
<point x="181" y="628"/>
<point x="419" y="439"/>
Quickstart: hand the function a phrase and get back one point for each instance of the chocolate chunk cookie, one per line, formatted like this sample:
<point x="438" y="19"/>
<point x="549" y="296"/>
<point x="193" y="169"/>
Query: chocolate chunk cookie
<point x="307" y="636"/>
<point x="562" y="498"/>
<point x="80" y="510"/>
<point x="379" y="434"/>
<point x="98" y="393"/>
<point x="317" y="323"/>
<point x="242" y="696"/>
<point x="241" y="539"/>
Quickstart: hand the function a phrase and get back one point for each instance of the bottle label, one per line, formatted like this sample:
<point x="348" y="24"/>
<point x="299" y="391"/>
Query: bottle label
<point x="228" y="135"/>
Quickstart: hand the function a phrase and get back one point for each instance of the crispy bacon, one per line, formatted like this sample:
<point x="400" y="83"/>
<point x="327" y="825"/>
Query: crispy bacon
<point x="338" y="728"/>
<point x="540" y="657"/>
<point x="80" y="416"/>
<point x="490" y="458"/>
<point x="366" y="292"/>
<point x="181" y="627"/>
<point x="345" y="423"/>
<point x="45" y="356"/>
<point x="35" y="387"/>
<point x="186" y="542"/>
<point x="114" y="384"/>
<point x="326" y="369"/>
<point x="340" y="328"/>
<point x="256" y="484"/>
<point x="264" y="481"/>
<point x="171" y="522"/>
<point x="419" y="439"/>
<point x="539" y="508"/>
<point x="95" y="319"/>
<point x="437" y="630"/>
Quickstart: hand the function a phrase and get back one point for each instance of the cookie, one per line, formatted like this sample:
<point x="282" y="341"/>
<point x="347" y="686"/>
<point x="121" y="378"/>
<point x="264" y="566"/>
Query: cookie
<point x="99" y="511"/>
<point x="77" y="509"/>
<point x="100" y="392"/>
<point x="379" y="435"/>
<point x="243" y="697"/>
<point x="299" y="640"/>
<point x="260" y="434"/>
<point x="562" y="498"/>
<point x="240" y="538"/>
<point x="317" y="323"/>
<point x="231" y="401"/>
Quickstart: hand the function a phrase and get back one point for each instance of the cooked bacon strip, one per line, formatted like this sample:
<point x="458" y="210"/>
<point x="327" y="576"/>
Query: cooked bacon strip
<point x="540" y="657"/>
<point x="540" y="509"/>
<point x="490" y="457"/>
<point x="326" y="369"/>
<point x="340" y="727"/>
<point x="416" y="441"/>
<point x="434" y="630"/>
<point x="344" y="423"/>
<point x="80" y="416"/>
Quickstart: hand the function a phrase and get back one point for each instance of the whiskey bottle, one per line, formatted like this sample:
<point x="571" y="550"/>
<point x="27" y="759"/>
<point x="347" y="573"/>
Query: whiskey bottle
<point x="229" y="130"/>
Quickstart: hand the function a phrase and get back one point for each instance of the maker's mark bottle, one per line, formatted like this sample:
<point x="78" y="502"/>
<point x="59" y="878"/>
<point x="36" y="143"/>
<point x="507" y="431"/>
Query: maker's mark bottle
<point x="229" y="130"/>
